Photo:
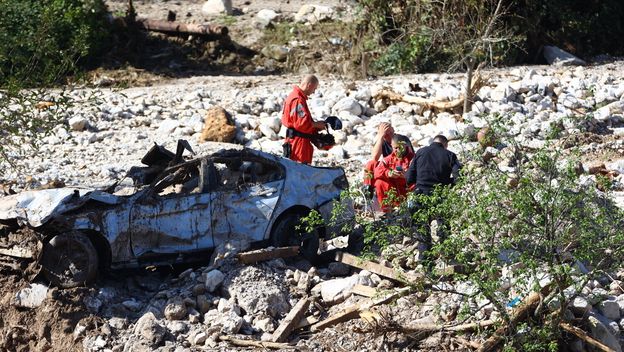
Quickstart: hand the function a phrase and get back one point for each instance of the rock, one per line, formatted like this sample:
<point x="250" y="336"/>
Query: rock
<point x="257" y="290"/>
<point x="203" y="305"/>
<point x="217" y="7"/>
<point x="558" y="57"/>
<point x="175" y="309"/>
<point x="213" y="279"/>
<point x="228" y="322"/>
<point x="267" y="131"/>
<point x="580" y="306"/>
<point x="148" y="328"/>
<point x="275" y="52"/>
<point x="265" y="16"/>
<point x="218" y="126"/>
<point x="200" y="338"/>
<point x="78" y="123"/>
<point x="313" y="14"/>
<point x="332" y="290"/>
<point x="32" y="296"/>
<point x="610" y="309"/>
<point x="132" y="304"/>
<point x="168" y="126"/>
<point x="601" y="333"/>
<point x="348" y="104"/>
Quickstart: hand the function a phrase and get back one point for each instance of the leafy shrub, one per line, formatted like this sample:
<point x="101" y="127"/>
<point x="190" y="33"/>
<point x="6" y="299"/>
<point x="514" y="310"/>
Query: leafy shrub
<point x="41" y="41"/>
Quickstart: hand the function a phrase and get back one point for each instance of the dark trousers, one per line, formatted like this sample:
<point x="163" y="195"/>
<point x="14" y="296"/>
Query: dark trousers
<point x="422" y="223"/>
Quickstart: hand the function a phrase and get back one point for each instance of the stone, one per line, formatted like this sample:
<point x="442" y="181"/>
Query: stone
<point x="217" y="7"/>
<point x="175" y="309"/>
<point x="132" y="304"/>
<point x="148" y="328"/>
<point x="332" y="290"/>
<point x="168" y="126"/>
<point x="348" y="104"/>
<point x="313" y="13"/>
<point x="275" y="52"/>
<point x="218" y="126"/>
<point x="78" y="123"/>
<point x="203" y="305"/>
<point x="32" y="296"/>
<point x="258" y="291"/>
<point x="559" y="57"/>
<point x="213" y="279"/>
<point x="264" y="17"/>
<point x="610" y="309"/>
<point x="580" y="307"/>
<point x="199" y="338"/>
<point x="601" y="333"/>
<point x="268" y="132"/>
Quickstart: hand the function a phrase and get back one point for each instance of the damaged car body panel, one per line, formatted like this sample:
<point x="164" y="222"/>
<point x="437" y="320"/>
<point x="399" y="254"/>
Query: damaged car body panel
<point x="180" y="209"/>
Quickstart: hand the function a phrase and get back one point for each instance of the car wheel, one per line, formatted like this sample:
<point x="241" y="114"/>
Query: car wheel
<point x="69" y="260"/>
<point x="285" y="233"/>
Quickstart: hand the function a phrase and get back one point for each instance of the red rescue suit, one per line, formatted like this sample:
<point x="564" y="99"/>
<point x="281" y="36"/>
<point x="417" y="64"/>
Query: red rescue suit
<point x="384" y="183"/>
<point x="296" y="115"/>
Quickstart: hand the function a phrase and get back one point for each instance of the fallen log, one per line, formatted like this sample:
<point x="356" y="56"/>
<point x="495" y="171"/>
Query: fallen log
<point x="307" y="321"/>
<point x="583" y="336"/>
<point x="518" y="315"/>
<point x="430" y="104"/>
<point x="353" y="311"/>
<point x="182" y="28"/>
<point x="291" y="321"/>
<point x="267" y="254"/>
<point x="255" y="343"/>
<point x="423" y="328"/>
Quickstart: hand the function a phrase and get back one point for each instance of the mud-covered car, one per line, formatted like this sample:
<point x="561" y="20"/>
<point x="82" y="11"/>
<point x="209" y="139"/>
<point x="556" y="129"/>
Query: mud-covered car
<point x="178" y="212"/>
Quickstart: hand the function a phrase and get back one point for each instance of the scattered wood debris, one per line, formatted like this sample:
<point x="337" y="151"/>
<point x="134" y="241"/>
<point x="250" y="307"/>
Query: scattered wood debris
<point x="267" y="254"/>
<point x="291" y="321"/>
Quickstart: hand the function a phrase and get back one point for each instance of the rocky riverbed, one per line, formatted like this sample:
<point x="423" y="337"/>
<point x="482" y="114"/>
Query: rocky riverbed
<point x="107" y="131"/>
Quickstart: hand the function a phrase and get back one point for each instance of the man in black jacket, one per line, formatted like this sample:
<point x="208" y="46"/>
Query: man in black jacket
<point x="433" y="165"/>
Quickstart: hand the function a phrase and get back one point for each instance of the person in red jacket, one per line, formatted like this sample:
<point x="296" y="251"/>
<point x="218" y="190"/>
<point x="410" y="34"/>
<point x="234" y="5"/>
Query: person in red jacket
<point x="297" y="118"/>
<point x="390" y="172"/>
<point x="382" y="148"/>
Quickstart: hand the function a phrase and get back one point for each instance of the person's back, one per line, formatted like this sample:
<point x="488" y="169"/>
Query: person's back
<point x="433" y="165"/>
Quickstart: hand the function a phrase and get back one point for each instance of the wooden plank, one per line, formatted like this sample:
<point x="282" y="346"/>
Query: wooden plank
<point x="583" y="336"/>
<point x="291" y="321"/>
<point x="255" y="343"/>
<point x="18" y="252"/>
<point x="267" y="254"/>
<point x="376" y="268"/>
<point x="307" y="321"/>
<point x="365" y="291"/>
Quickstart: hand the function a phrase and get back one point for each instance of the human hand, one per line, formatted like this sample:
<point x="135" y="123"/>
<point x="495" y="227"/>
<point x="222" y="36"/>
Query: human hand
<point x="396" y="174"/>
<point x="383" y="129"/>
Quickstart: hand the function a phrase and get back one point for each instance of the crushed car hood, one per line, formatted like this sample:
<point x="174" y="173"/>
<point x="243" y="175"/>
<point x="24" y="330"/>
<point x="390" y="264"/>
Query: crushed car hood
<point x="35" y="208"/>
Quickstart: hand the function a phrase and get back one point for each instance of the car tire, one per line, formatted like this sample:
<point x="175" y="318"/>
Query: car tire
<point x="69" y="260"/>
<point x="285" y="233"/>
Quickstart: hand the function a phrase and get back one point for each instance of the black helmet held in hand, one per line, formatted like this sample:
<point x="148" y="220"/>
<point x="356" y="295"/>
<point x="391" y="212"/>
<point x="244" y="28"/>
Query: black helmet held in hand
<point x="334" y="122"/>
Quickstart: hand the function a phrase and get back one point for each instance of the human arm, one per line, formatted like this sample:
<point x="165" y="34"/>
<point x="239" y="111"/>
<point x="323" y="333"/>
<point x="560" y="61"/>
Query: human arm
<point x="383" y="129"/>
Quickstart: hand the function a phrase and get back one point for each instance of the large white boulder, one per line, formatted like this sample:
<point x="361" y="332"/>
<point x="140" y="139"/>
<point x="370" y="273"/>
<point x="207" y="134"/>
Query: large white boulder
<point x="217" y="7"/>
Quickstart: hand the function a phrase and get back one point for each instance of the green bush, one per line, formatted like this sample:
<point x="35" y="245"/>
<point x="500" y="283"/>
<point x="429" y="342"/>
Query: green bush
<point x="41" y="41"/>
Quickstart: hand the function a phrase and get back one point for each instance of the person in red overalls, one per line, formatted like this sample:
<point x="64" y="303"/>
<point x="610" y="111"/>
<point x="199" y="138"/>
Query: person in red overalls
<point x="382" y="148"/>
<point x="297" y="118"/>
<point x="390" y="172"/>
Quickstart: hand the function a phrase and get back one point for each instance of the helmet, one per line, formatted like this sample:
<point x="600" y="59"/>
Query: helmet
<point x="324" y="141"/>
<point x="334" y="122"/>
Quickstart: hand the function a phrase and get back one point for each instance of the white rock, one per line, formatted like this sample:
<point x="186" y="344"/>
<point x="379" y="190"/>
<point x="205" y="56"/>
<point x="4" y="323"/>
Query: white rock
<point x="331" y="289"/>
<point x="149" y="329"/>
<point x="217" y="7"/>
<point x="32" y="296"/>
<point x="168" y="126"/>
<point x="200" y="338"/>
<point x="213" y="279"/>
<point x="348" y="104"/>
<point x="78" y="123"/>
<point x="580" y="306"/>
<point x="267" y="131"/>
<point x="313" y="13"/>
<point x="265" y="16"/>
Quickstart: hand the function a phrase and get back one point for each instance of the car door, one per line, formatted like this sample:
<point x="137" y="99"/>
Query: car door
<point x="173" y="217"/>
<point x="244" y="200"/>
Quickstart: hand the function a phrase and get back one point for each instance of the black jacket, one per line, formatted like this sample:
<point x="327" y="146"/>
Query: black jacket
<point x="433" y="165"/>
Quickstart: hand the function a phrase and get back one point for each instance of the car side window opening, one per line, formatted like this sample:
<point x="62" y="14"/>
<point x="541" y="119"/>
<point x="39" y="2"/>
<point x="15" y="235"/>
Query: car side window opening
<point x="234" y="173"/>
<point x="180" y="181"/>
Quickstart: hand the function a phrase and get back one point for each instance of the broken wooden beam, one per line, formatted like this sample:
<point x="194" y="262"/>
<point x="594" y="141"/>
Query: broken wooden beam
<point x="291" y="321"/>
<point x="255" y="343"/>
<point x="583" y="336"/>
<point x="182" y="28"/>
<point x="353" y="311"/>
<point x="376" y="268"/>
<point x="365" y="291"/>
<point x="17" y="252"/>
<point x="267" y="254"/>
<point x="307" y="321"/>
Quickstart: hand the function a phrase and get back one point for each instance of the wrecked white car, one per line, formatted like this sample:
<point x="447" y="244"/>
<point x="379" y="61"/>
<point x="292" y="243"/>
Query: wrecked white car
<point x="179" y="212"/>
